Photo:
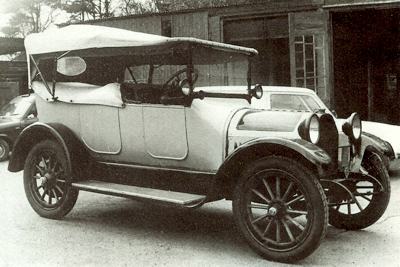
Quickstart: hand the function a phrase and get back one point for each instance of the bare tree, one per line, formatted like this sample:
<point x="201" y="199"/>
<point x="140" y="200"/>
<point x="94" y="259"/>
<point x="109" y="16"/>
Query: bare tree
<point x="29" y="16"/>
<point x="129" y="7"/>
<point x="81" y="10"/>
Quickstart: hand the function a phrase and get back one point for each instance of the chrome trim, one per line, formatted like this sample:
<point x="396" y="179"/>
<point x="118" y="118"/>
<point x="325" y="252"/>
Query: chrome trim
<point x="134" y="166"/>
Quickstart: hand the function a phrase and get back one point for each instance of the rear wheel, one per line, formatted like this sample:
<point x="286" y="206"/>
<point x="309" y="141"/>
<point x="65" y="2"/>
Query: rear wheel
<point x="280" y="208"/>
<point x="47" y="181"/>
<point x="370" y="197"/>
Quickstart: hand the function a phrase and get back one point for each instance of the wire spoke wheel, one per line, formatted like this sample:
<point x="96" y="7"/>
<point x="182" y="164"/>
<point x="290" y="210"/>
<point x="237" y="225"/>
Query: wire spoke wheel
<point x="284" y="217"/>
<point x="46" y="176"/>
<point x="281" y="209"/>
<point x="370" y="199"/>
<point x="46" y="180"/>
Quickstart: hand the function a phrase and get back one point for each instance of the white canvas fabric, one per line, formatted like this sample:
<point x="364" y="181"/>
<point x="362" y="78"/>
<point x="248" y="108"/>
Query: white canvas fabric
<point x="76" y="37"/>
<point x="79" y="37"/>
<point x="81" y="93"/>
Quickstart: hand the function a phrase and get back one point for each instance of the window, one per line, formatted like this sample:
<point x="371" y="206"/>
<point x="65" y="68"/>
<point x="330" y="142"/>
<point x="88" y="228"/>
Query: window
<point x="294" y="102"/>
<point x="71" y="66"/>
<point x="310" y="62"/>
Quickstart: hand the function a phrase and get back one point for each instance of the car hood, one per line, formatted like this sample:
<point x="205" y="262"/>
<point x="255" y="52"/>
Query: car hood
<point x="271" y="120"/>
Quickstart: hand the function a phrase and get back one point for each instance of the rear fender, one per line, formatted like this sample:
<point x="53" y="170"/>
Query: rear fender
<point x="74" y="150"/>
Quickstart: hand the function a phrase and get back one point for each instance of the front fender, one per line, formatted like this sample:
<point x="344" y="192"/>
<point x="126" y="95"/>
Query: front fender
<point x="311" y="152"/>
<point x="74" y="149"/>
<point x="371" y="143"/>
<point x="312" y="156"/>
<point x="279" y="146"/>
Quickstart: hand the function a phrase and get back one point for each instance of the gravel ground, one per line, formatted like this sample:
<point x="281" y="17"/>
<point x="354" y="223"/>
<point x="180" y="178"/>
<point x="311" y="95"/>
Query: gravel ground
<point x="111" y="231"/>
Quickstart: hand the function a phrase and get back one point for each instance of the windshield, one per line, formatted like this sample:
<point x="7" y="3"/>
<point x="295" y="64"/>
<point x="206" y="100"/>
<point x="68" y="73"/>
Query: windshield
<point x="294" y="102"/>
<point x="17" y="107"/>
<point x="232" y="72"/>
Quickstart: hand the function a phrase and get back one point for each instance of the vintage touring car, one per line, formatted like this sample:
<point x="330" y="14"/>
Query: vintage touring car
<point x="120" y="115"/>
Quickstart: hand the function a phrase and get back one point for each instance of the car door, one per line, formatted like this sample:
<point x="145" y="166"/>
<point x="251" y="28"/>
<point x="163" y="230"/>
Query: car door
<point x="165" y="131"/>
<point x="100" y="128"/>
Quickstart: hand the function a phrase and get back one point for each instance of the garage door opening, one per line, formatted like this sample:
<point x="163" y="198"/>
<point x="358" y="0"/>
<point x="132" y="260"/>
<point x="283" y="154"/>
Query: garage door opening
<point x="270" y="36"/>
<point x="367" y="64"/>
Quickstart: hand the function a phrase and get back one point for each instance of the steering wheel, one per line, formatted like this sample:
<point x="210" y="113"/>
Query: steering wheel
<point x="176" y="81"/>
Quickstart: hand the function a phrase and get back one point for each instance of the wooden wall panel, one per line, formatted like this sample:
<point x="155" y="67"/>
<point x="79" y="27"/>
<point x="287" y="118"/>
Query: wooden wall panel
<point x="150" y="24"/>
<point x="214" y="29"/>
<point x="190" y="25"/>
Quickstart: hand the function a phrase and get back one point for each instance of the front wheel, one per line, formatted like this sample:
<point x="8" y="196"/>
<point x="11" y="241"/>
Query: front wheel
<point x="370" y="197"/>
<point x="280" y="208"/>
<point x="47" y="181"/>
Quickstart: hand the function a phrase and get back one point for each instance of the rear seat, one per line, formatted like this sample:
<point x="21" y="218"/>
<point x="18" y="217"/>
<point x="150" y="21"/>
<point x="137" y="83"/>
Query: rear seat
<point x="141" y="93"/>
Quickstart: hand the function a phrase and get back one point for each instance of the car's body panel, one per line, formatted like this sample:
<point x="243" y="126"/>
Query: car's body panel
<point x="99" y="129"/>
<point x="154" y="135"/>
<point x="165" y="134"/>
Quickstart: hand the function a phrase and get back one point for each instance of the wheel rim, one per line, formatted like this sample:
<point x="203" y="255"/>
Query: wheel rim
<point x="48" y="185"/>
<point x="2" y="150"/>
<point x="278" y="213"/>
<point x="364" y="193"/>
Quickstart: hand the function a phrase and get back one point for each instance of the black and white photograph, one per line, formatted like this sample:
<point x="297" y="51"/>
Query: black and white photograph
<point x="200" y="133"/>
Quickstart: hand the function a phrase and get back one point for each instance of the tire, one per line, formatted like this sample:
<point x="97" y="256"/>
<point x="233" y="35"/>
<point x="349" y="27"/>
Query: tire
<point x="4" y="149"/>
<point x="47" y="181"/>
<point x="280" y="208"/>
<point x="348" y="215"/>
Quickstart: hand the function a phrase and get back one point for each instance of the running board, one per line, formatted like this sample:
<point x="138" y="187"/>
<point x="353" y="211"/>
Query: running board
<point x="141" y="193"/>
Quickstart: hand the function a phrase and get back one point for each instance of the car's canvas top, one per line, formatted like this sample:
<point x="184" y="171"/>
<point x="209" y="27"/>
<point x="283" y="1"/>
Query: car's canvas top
<point x="81" y="37"/>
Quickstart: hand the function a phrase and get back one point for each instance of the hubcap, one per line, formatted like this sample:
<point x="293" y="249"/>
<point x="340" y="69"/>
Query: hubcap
<point x="272" y="211"/>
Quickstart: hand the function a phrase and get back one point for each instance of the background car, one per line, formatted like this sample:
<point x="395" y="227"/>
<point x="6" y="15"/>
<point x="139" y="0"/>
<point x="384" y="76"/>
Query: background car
<point x="15" y="116"/>
<point x="303" y="99"/>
